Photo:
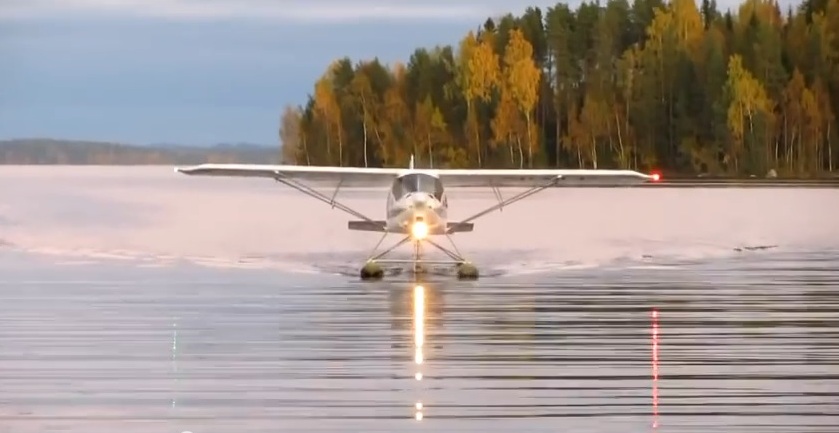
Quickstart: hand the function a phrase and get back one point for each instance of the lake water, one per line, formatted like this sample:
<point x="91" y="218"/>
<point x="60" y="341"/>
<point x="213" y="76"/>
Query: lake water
<point x="134" y="299"/>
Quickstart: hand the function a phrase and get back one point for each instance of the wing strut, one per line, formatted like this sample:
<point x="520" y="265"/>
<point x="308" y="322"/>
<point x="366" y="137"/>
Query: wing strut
<point x="311" y="192"/>
<point x="335" y="194"/>
<point x="499" y="197"/>
<point x="512" y="199"/>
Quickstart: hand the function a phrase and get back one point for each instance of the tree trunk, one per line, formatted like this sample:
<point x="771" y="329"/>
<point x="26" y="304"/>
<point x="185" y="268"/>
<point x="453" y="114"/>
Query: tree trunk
<point x="558" y="135"/>
<point x="340" y="143"/>
<point x="820" y="159"/>
<point x="791" y="146"/>
<point x="777" y="144"/>
<point x="430" y="152"/>
<point x="472" y="115"/>
<point x="381" y="142"/>
<point x="364" y="126"/>
<point x="829" y="151"/>
<point x="510" y="147"/>
<point x="529" y="141"/>
<point x="796" y="156"/>
<point x="328" y="142"/>
<point x="620" y="141"/>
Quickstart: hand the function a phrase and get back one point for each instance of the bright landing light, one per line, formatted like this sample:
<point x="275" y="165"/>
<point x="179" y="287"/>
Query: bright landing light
<point x="419" y="230"/>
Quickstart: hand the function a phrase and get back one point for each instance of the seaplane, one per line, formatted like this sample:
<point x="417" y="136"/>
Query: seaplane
<point x="417" y="204"/>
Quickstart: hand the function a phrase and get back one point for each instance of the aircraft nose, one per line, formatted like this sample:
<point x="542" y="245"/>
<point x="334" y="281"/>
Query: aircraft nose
<point x="420" y="200"/>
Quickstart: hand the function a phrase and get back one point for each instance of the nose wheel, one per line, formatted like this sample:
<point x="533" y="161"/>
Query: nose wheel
<point x="373" y="269"/>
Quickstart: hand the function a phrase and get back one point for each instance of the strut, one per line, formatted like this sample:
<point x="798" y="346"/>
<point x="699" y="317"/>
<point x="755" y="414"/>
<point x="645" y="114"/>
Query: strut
<point x="311" y="192"/>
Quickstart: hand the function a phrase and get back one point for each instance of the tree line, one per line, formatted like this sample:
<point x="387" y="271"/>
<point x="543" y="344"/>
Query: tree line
<point x="677" y="87"/>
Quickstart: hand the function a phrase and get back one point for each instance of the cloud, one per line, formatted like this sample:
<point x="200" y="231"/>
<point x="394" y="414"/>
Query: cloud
<point x="291" y="10"/>
<point x="300" y="11"/>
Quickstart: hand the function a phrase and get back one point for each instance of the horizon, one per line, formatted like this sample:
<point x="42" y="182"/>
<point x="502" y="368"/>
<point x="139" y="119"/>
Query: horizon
<point x="201" y="74"/>
<point x="150" y="145"/>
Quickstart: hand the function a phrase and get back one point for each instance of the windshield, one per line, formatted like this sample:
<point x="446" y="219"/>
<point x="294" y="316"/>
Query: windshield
<point x="418" y="182"/>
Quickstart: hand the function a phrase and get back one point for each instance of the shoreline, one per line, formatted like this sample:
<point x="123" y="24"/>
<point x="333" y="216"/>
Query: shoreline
<point x="701" y="182"/>
<point x="677" y="181"/>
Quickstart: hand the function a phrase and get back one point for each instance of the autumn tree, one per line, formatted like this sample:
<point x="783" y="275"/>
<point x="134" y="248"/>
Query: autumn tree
<point x="561" y="69"/>
<point x="521" y="77"/>
<point x="396" y="122"/>
<point x="328" y="112"/>
<point x="477" y="77"/>
<point x="290" y="134"/>
<point x="748" y="105"/>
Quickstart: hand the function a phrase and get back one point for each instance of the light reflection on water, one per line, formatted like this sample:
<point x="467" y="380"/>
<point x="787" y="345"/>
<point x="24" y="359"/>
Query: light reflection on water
<point x="728" y="346"/>
<point x="419" y="339"/>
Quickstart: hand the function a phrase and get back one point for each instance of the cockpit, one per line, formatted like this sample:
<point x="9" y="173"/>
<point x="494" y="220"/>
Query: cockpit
<point x="418" y="182"/>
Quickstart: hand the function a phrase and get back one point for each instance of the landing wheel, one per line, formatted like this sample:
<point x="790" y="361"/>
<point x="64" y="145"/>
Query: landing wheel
<point x="372" y="271"/>
<point x="467" y="271"/>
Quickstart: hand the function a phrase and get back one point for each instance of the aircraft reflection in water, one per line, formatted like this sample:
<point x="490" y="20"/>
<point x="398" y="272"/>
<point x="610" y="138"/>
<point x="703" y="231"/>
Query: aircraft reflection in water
<point x="422" y="302"/>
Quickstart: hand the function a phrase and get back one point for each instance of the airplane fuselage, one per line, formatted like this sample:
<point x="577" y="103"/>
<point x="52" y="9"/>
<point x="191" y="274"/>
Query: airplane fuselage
<point x="417" y="205"/>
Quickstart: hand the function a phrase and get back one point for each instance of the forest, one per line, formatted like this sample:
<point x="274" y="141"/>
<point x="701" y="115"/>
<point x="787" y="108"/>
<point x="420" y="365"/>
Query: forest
<point x="678" y="87"/>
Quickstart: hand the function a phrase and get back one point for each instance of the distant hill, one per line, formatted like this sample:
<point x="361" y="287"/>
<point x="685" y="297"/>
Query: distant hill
<point x="73" y="152"/>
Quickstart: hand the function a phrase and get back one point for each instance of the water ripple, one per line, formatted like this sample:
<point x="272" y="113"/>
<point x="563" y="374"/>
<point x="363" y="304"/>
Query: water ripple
<point x="735" y="346"/>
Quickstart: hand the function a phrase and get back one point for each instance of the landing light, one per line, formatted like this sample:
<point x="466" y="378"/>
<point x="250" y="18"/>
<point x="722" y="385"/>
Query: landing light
<point x="656" y="177"/>
<point x="419" y="230"/>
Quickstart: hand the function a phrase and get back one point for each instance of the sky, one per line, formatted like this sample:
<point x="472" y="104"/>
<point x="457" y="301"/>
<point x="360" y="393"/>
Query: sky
<point x="199" y="72"/>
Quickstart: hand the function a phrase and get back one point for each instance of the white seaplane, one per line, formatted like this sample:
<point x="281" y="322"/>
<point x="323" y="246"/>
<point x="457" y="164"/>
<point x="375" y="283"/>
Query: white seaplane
<point x="417" y="205"/>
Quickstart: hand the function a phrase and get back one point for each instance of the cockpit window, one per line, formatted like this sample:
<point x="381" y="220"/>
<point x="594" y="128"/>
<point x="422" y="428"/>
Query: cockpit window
<point x="418" y="182"/>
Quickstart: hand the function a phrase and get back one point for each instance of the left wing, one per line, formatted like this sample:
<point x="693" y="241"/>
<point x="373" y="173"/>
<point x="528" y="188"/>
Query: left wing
<point x="348" y="176"/>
